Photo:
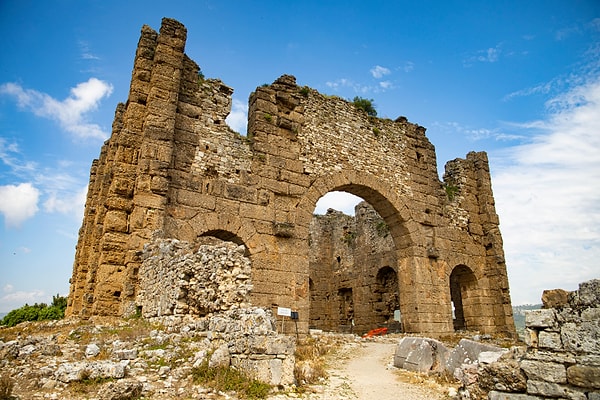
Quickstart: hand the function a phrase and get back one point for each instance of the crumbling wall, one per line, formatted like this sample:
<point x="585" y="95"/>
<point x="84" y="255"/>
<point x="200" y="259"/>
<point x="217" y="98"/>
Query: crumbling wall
<point x="562" y="359"/>
<point x="176" y="280"/>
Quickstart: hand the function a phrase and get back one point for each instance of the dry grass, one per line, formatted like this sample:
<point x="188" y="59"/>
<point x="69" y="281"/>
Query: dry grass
<point x="6" y="386"/>
<point x="310" y="358"/>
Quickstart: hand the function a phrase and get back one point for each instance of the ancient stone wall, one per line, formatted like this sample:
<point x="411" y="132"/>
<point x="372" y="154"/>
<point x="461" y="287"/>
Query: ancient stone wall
<point x="173" y="169"/>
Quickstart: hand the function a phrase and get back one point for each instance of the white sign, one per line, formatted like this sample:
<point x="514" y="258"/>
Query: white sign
<point x="286" y="312"/>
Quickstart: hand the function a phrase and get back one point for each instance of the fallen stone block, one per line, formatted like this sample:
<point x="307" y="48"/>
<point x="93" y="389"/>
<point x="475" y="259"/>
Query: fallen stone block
<point x="420" y="354"/>
<point x="468" y="352"/>
<point x="77" y="371"/>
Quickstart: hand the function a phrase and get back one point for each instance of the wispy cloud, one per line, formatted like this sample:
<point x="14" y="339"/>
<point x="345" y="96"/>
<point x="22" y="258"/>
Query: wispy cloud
<point x="489" y="55"/>
<point x="379" y="72"/>
<point x="408" y="66"/>
<point x="71" y="112"/>
<point x="18" y="203"/>
<point x="476" y="134"/>
<point x="86" y="53"/>
<point x="10" y="156"/>
<point x="13" y="300"/>
<point x="548" y="198"/>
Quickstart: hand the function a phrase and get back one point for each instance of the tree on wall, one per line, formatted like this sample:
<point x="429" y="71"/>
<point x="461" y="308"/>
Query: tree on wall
<point x="365" y="105"/>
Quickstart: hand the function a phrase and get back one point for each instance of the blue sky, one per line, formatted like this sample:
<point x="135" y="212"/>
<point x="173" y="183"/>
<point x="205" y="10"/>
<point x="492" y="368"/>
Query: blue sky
<point x="518" y="79"/>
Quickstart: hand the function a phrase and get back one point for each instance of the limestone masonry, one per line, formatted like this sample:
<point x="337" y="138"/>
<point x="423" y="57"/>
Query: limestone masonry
<point x="174" y="171"/>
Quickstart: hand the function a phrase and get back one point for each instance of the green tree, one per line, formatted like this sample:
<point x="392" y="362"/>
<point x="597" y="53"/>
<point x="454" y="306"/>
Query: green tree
<point x="365" y="105"/>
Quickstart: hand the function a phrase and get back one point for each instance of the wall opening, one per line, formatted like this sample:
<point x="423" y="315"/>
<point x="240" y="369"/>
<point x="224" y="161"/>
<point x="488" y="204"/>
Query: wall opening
<point x="353" y="286"/>
<point x="387" y="298"/>
<point x="463" y="286"/>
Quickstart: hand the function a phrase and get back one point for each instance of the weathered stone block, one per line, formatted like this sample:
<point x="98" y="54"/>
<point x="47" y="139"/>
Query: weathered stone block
<point x="544" y="371"/>
<point x="115" y="221"/>
<point x="548" y="389"/>
<point x="420" y="354"/>
<point x="494" y="395"/>
<point x="555" y="298"/>
<point x="584" y="376"/>
<point x="587" y="296"/>
<point x="540" y="318"/>
<point x="550" y="340"/>
<point x="582" y="337"/>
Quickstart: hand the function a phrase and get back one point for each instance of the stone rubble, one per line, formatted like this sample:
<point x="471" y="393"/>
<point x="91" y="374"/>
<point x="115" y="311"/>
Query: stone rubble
<point x="562" y="357"/>
<point x="120" y="360"/>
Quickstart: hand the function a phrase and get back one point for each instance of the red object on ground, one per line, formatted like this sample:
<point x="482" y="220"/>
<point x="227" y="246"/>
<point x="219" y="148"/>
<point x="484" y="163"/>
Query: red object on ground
<point x="376" y="332"/>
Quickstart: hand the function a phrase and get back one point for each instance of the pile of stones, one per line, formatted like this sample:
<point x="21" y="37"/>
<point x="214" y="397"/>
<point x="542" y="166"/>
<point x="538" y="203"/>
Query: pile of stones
<point x="115" y="359"/>
<point x="176" y="280"/>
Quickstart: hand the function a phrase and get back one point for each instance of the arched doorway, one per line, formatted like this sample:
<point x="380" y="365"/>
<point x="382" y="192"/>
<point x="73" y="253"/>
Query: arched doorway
<point x="463" y="285"/>
<point x="352" y="286"/>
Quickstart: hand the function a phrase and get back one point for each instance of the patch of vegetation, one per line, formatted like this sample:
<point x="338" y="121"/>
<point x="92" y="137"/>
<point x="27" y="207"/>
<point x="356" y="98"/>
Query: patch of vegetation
<point x="304" y="91"/>
<point x="376" y="131"/>
<point x="230" y="379"/>
<point x="382" y="229"/>
<point x="6" y="386"/>
<point x="348" y="237"/>
<point x="451" y="191"/>
<point x="86" y="384"/>
<point x="268" y="117"/>
<point x="310" y="360"/>
<point x="37" y="312"/>
<point x="366" y="105"/>
<point x="200" y="76"/>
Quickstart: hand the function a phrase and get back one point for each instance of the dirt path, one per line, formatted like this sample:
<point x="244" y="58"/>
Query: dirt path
<point x="364" y="371"/>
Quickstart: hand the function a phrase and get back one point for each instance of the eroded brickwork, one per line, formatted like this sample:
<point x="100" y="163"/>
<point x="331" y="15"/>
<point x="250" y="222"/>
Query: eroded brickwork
<point x="173" y="169"/>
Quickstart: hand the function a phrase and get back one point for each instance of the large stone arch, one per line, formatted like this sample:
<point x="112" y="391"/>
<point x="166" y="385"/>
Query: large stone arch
<point x="407" y="235"/>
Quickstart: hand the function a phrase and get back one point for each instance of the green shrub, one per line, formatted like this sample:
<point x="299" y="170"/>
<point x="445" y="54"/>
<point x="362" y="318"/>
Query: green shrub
<point x="451" y="191"/>
<point x="365" y="105"/>
<point x="37" y="312"/>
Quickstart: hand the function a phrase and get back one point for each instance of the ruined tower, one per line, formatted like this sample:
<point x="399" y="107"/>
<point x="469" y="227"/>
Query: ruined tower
<point x="172" y="168"/>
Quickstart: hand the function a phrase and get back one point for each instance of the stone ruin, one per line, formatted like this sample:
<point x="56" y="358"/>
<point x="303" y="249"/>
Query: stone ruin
<point x="173" y="170"/>
<point x="562" y="357"/>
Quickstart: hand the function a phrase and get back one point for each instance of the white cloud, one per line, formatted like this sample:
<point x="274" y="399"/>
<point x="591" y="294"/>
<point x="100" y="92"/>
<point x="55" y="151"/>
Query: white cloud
<point x="8" y="288"/>
<point x="18" y="203"/>
<point x="69" y="113"/>
<point x="379" y="72"/>
<point x="238" y="118"/>
<point x="67" y="202"/>
<point x="386" y="84"/>
<point x="548" y="198"/>
<point x="340" y="201"/>
<point x="14" y="300"/>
